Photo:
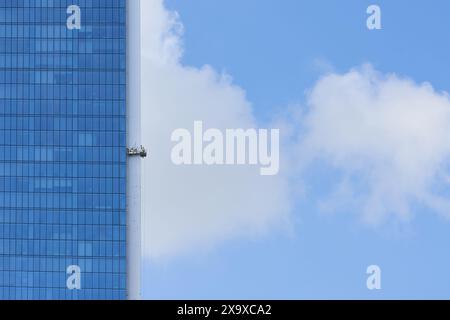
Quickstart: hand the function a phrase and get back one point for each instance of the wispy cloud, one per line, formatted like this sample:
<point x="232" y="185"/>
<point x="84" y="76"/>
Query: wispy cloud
<point x="386" y="136"/>
<point x="193" y="208"/>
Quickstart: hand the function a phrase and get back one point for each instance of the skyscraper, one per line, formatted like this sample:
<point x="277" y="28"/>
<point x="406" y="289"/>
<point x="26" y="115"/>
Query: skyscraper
<point x="63" y="149"/>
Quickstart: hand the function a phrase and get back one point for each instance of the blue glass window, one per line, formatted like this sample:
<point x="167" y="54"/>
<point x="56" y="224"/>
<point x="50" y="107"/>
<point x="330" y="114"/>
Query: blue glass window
<point x="62" y="152"/>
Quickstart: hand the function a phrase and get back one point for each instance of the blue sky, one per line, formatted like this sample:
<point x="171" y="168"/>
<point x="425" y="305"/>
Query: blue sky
<point x="276" y="51"/>
<point x="270" y="47"/>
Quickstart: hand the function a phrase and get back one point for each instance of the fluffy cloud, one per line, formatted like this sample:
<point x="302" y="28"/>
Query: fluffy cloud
<point x="193" y="208"/>
<point x="386" y="136"/>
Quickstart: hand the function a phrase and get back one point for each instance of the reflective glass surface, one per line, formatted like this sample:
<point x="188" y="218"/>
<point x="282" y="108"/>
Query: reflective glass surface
<point x="62" y="149"/>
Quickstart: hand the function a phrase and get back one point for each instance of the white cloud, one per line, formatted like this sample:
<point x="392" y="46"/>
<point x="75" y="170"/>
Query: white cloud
<point x="385" y="136"/>
<point x="192" y="208"/>
<point x="388" y="138"/>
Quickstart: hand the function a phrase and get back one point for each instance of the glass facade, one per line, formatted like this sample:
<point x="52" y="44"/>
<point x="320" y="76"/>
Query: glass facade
<point x="62" y="149"/>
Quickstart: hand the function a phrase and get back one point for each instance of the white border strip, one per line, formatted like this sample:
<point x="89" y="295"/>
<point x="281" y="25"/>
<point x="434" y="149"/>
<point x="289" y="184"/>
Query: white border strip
<point x="133" y="140"/>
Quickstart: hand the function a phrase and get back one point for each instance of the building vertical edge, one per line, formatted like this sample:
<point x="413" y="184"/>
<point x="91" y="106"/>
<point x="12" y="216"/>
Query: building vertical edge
<point x="133" y="140"/>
